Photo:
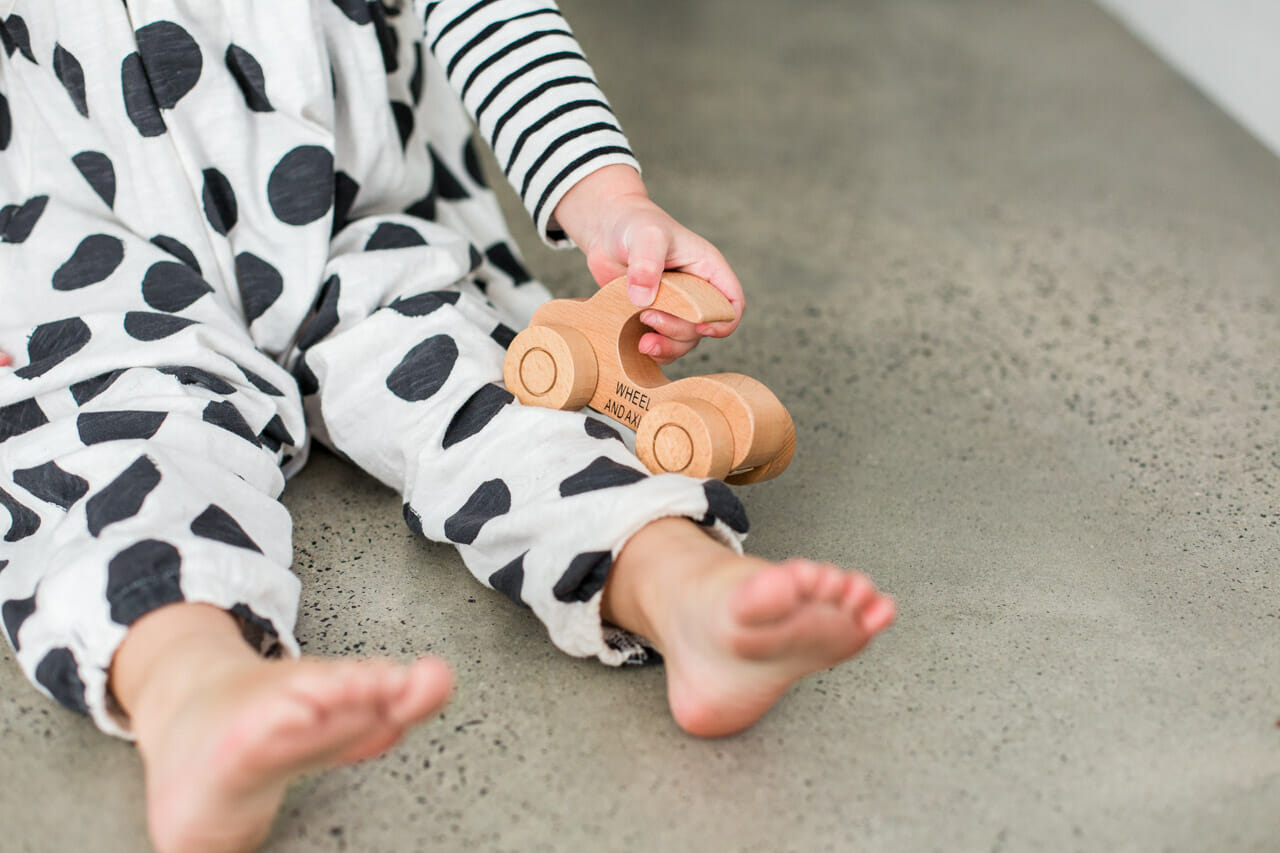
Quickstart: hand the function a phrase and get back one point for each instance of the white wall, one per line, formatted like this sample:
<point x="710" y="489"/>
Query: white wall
<point x="1229" y="48"/>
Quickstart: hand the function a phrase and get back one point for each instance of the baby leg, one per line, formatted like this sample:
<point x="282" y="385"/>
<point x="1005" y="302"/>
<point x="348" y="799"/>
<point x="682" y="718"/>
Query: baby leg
<point x="222" y="731"/>
<point x="553" y="510"/>
<point x="736" y="631"/>
<point x="144" y="563"/>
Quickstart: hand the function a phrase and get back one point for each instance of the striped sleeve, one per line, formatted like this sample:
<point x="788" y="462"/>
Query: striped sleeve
<point x="525" y="81"/>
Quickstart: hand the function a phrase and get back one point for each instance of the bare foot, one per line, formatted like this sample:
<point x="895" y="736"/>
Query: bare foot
<point x="736" y="632"/>
<point x="220" y="749"/>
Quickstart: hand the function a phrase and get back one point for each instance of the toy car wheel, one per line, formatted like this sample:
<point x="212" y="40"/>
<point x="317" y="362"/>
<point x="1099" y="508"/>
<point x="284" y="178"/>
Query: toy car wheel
<point x="687" y="437"/>
<point x="770" y="469"/>
<point x="551" y="366"/>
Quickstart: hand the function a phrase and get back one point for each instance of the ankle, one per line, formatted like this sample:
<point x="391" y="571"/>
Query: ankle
<point x="172" y="651"/>
<point x="655" y="563"/>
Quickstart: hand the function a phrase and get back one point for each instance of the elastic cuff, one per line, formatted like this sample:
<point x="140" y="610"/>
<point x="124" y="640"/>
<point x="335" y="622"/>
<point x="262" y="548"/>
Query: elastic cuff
<point x="710" y="504"/>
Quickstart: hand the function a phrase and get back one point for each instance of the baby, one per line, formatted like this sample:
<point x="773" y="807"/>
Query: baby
<point x="226" y="228"/>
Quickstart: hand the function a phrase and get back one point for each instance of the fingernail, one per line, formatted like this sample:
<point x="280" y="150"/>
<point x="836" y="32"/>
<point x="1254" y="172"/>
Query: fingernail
<point x="641" y="297"/>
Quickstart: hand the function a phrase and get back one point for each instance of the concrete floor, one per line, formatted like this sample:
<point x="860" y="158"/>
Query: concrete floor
<point x="1020" y="286"/>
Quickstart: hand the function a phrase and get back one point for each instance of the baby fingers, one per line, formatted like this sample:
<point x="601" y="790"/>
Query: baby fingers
<point x="671" y="338"/>
<point x="664" y="350"/>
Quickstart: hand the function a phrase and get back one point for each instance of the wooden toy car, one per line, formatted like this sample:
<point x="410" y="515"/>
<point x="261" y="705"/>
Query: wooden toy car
<point x="583" y="352"/>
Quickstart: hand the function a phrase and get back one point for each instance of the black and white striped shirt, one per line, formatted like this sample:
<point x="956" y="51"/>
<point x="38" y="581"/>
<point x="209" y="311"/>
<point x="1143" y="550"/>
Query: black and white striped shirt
<point x="525" y="81"/>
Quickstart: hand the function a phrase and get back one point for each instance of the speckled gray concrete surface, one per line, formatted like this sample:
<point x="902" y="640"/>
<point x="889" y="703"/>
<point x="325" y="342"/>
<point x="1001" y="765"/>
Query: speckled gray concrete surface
<point x="1020" y="286"/>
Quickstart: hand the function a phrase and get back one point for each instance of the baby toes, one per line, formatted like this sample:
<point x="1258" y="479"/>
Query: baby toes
<point x="766" y="597"/>
<point x="878" y="614"/>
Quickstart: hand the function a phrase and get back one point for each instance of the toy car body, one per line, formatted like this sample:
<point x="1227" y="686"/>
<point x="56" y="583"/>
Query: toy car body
<point x="584" y="352"/>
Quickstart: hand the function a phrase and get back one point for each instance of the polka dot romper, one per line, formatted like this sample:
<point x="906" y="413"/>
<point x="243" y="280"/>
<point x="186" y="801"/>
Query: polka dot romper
<point x="226" y="228"/>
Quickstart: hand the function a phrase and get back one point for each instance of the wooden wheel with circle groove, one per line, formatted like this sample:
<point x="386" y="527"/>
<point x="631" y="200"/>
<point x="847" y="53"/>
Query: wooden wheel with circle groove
<point x="551" y="366"/>
<point x="688" y="436"/>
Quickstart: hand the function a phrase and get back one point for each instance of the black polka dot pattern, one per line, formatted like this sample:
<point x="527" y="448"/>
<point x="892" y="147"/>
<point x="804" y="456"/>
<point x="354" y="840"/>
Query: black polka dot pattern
<point x="471" y="159"/>
<point x="447" y="185"/>
<point x="139" y="102"/>
<point x="177" y="249"/>
<point x="71" y="75"/>
<point x="293" y="173"/>
<point x="224" y="414"/>
<point x="220" y="206"/>
<point x="403" y="115"/>
<point x="300" y="189"/>
<point x="412" y="519"/>
<point x="85" y="390"/>
<point x="502" y="256"/>
<point x="96" y="258"/>
<point x="122" y="498"/>
<point x="491" y="500"/>
<point x="52" y="343"/>
<point x="302" y="374"/>
<point x="724" y="505"/>
<point x="475" y="414"/>
<point x="509" y="580"/>
<point x="6" y="123"/>
<point x="599" y="429"/>
<point x="217" y="524"/>
<point x="13" y="614"/>
<point x="248" y="76"/>
<point x="22" y="416"/>
<point x="356" y="10"/>
<point x="98" y="170"/>
<point x="387" y="38"/>
<point x="260" y="285"/>
<point x="17" y="221"/>
<point x="424" y="208"/>
<point x="17" y="35"/>
<point x="169" y="286"/>
<point x="585" y="577"/>
<point x="602" y="473"/>
<point x="146" y="326"/>
<point x="142" y="578"/>
<point x="418" y="78"/>
<point x="391" y="235"/>
<point x="123" y="425"/>
<point x="422" y="304"/>
<point x="51" y="484"/>
<point x="57" y="673"/>
<point x="172" y="61"/>
<point x="275" y="435"/>
<point x="22" y="520"/>
<point x="345" y="190"/>
<point x="424" y="370"/>
<point x="258" y="382"/>
<point x="197" y="376"/>
<point x="503" y="335"/>
<point x="325" y="319"/>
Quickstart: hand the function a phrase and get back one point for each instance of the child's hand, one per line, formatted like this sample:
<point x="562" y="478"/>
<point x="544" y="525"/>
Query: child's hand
<point x="609" y="216"/>
<point x="4" y="359"/>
